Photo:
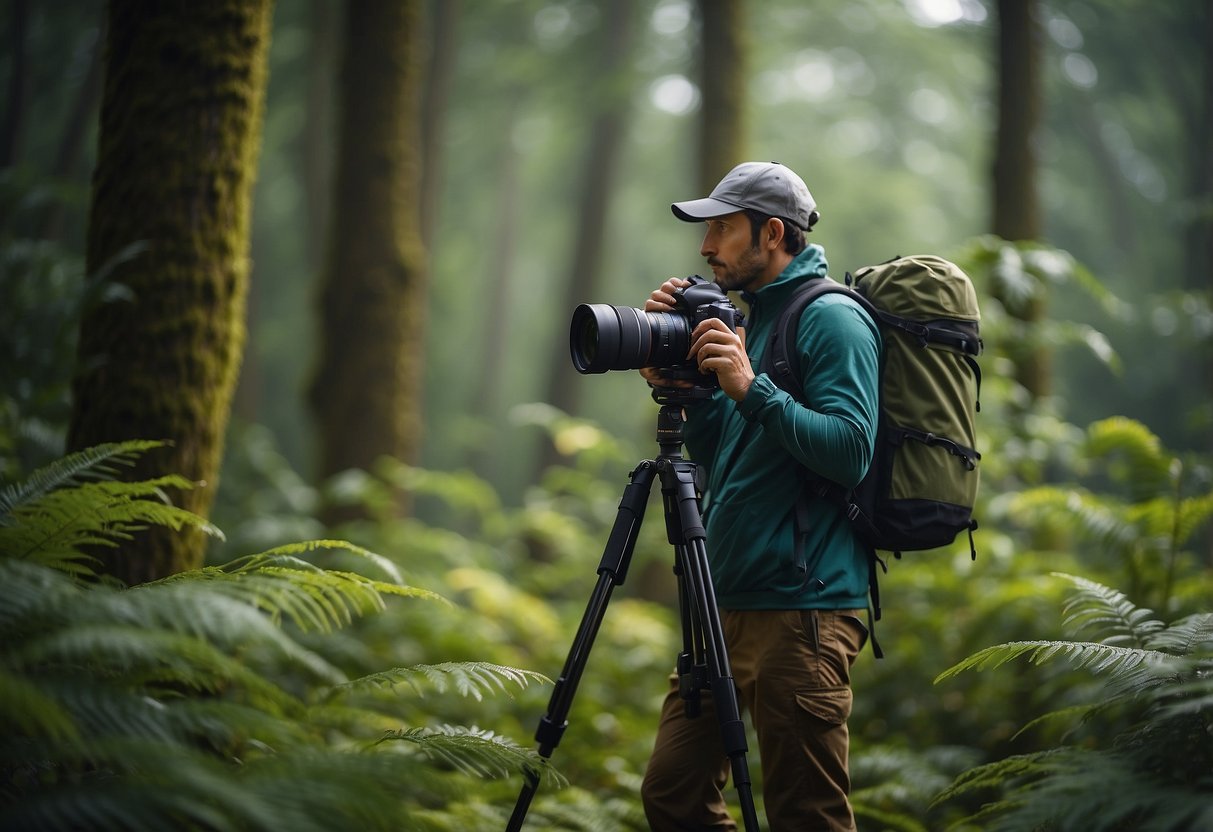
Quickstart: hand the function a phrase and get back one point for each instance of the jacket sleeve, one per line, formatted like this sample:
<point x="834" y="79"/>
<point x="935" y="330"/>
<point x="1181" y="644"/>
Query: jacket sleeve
<point x="704" y="423"/>
<point x="834" y="432"/>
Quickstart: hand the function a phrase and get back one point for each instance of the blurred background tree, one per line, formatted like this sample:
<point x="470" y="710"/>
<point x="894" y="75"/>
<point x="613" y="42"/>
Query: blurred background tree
<point x="365" y="395"/>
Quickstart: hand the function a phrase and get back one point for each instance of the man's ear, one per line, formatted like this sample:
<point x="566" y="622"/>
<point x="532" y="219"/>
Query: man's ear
<point x="775" y="232"/>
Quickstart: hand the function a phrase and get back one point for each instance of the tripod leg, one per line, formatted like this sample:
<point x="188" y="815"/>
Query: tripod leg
<point x="612" y="570"/>
<point x="720" y="680"/>
<point x="682" y="515"/>
<point x="691" y="667"/>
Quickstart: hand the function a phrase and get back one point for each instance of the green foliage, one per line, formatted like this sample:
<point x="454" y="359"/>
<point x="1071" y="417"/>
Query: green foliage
<point x="1139" y="752"/>
<point x="198" y="701"/>
<point x="44" y="293"/>
<point x="62" y="510"/>
<point x="1153" y="505"/>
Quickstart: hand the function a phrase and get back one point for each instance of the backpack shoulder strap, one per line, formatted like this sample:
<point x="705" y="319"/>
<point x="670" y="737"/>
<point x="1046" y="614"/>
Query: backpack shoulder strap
<point x="781" y="361"/>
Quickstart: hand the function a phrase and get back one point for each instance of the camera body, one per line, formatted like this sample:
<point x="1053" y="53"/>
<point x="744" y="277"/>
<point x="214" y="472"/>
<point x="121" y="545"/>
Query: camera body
<point x="702" y="300"/>
<point x="603" y="337"/>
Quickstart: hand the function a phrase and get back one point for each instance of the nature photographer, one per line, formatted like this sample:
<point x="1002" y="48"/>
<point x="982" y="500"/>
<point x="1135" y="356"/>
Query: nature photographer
<point x="790" y="576"/>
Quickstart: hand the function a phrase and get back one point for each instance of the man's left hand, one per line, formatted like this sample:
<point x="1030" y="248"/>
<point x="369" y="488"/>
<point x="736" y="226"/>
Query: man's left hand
<point x="719" y="350"/>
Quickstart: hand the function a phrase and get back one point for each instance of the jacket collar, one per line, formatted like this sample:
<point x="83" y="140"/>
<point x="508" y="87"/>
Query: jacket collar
<point x="808" y="264"/>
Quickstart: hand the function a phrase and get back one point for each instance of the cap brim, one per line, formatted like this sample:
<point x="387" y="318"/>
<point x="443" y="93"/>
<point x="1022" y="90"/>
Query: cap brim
<point x="698" y="210"/>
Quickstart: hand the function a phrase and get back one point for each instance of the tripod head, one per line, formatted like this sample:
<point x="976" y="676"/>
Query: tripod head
<point x="670" y="419"/>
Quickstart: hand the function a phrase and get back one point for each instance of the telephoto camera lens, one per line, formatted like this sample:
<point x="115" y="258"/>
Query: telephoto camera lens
<point x="603" y="337"/>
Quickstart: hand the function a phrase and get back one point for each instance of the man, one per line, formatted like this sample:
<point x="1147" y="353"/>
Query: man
<point x="791" y="592"/>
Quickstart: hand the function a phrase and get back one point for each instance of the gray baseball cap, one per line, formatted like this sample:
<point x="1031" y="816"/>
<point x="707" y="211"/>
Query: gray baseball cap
<point x="768" y="187"/>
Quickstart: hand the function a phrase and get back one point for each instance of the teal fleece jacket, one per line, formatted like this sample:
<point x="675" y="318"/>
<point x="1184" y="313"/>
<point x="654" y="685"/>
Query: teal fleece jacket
<point x="754" y="452"/>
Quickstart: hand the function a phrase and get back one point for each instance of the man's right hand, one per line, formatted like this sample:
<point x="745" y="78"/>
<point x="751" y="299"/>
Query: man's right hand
<point x="662" y="300"/>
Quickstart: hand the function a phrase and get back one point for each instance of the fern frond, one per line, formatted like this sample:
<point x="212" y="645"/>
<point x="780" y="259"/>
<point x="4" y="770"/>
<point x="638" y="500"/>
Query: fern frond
<point x="288" y="587"/>
<point x="477" y="752"/>
<point x="99" y="462"/>
<point x="58" y="527"/>
<point x="1191" y="696"/>
<point x="32" y="595"/>
<point x="1190" y="635"/>
<point x="146" y="786"/>
<point x="1099" y="658"/>
<point x="1099" y="607"/>
<point x="997" y="774"/>
<point x="268" y="557"/>
<point x="1102" y="792"/>
<point x="1073" y="714"/>
<point x="1152" y="772"/>
<point x="154" y="658"/>
<point x="473" y="679"/>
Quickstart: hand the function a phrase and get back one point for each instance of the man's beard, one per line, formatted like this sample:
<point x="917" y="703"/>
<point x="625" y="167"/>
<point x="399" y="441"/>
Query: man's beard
<point x="748" y="269"/>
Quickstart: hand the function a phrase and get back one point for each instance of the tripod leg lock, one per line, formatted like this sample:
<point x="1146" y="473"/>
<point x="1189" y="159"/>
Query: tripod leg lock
<point x="548" y="735"/>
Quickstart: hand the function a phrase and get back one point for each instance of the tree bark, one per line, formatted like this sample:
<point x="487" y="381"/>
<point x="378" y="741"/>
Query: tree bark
<point x="179" y="138"/>
<point x="486" y="400"/>
<point x="722" y="67"/>
<point x="1200" y="236"/>
<point x="14" y="108"/>
<point x="366" y="391"/>
<point x="607" y="130"/>
<point x="1016" y="208"/>
<point x="324" y="34"/>
<point x="439" y="78"/>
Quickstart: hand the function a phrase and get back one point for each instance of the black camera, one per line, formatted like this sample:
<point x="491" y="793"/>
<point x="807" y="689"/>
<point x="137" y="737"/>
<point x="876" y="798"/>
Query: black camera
<point x="604" y="337"/>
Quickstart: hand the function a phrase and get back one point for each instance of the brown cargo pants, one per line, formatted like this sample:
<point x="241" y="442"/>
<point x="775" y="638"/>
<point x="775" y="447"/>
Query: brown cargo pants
<point x="792" y="669"/>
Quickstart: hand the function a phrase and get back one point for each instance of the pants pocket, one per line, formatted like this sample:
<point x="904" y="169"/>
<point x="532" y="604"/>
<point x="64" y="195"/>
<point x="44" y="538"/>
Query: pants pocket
<point x="830" y="705"/>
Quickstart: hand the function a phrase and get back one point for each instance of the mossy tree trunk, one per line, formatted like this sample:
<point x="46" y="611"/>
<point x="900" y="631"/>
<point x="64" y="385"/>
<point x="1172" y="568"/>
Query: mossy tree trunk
<point x="178" y="143"/>
<point x="366" y="391"/>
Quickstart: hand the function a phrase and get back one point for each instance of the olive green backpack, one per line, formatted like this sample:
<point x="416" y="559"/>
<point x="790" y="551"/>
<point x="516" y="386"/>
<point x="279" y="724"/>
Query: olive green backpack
<point x="920" y="490"/>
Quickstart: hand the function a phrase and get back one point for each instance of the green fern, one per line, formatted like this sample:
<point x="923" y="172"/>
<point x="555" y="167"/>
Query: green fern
<point x="68" y="507"/>
<point x="473" y="679"/>
<point x="286" y="586"/>
<point x="1143" y="751"/>
<point x="476" y="752"/>
<point x="100" y="462"/>
<point x="1161" y="502"/>
<point x="188" y="702"/>
<point x="1093" y="606"/>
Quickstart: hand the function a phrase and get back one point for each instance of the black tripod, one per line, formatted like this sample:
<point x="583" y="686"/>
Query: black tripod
<point x="704" y="659"/>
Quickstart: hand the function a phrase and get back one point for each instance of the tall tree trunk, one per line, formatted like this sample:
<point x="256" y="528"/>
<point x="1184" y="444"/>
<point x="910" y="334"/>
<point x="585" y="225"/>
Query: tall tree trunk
<point x="1016" y="209"/>
<point x="324" y="35"/>
<point x="366" y="391"/>
<point x="486" y="399"/>
<point x="584" y="274"/>
<point x="14" y="106"/>
<point x="722" y="80"/>
<point x="179" y="138"/>
<point x="440" y="73"/>
<point x="1200" y="235"/>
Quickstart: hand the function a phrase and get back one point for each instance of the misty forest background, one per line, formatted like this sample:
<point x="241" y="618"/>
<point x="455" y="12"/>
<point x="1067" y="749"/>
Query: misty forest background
<point x="302" y="501"/>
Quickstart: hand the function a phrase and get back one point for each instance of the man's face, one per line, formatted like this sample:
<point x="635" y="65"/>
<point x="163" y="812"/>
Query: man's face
<point x="736" y="263"/>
